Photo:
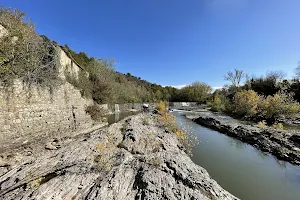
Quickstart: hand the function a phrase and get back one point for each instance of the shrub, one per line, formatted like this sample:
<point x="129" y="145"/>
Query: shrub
<point x="96" y="112"/>
<point x="278" y="126"/>
<point x="217" y="105"/>
<point x="262" y="123"/>
<point x="168" y="121"/>
<point x="246" y="103"/>
<point x="272" y="107"/>
<point x="184" y="135"/>
<point x="161" y="107"/>
<point x="24" y="54"/>
<point x="82" y="83"/>
<point x="156" y="162"/>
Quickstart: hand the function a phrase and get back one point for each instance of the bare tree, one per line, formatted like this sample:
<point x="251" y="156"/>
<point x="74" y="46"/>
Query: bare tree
<point x="276" y="75"/>
<point x="235" y="77"/>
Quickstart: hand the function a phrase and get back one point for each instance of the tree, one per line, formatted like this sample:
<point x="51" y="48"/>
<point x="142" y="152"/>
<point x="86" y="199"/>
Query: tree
<point x="270" y="84"/>
<point x="235" y="77"/>
<point x="272" y="107"/>
<point x="197" y="91"/>
<point x="23" y="53"/>
<point x="216" y="104"/>
<point x="297" y="71"/>
<point x="246" y="103"/>
<point x="277" y="76"/>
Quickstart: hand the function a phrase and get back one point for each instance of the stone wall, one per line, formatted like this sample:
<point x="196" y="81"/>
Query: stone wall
<point x="36" y="114"/>
<point x="28" y="114"/>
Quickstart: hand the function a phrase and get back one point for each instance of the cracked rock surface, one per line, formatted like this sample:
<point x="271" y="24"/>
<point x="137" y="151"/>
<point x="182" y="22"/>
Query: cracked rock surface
<point x="130" y="159"/>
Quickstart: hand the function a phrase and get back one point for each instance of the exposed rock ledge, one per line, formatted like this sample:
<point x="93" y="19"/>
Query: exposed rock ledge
<point x="132" y="159"/>
<point x="283" y="144"/>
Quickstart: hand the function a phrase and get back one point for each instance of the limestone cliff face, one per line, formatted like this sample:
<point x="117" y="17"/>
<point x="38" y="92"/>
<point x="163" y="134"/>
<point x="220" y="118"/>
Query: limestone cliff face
<point x="133" y="159"/>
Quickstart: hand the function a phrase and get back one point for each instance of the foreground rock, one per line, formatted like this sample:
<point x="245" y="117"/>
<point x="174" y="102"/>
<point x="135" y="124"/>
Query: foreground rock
<point x="281" y="143"/>
<point x="132" y="159"/>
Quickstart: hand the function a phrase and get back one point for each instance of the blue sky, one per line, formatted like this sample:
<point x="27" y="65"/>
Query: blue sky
<point x="176" y="42"/>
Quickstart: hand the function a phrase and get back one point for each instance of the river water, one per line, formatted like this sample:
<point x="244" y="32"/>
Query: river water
<point x="241" y="169"/>
<point x="113" y="118"/>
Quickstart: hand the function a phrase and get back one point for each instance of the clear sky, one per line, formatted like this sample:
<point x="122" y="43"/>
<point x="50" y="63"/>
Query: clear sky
<point x="175" y="42"/>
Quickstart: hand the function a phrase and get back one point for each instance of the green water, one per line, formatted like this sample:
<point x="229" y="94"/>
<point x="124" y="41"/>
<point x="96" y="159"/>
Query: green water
<point x="241" y="169"/>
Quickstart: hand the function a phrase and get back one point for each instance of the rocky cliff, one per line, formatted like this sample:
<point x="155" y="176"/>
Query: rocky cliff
<point x="135" y="158"/>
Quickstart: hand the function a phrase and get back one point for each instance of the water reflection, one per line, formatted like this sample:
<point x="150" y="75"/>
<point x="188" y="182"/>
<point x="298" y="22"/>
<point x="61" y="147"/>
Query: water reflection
<point x="113" y="118"/>
<point x="236" y="143"/>
<point x="261" y="154"/>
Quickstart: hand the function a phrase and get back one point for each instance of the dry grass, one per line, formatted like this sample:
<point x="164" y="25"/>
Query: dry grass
<point x="105" y="158"/>
<point x="278" y="126"/>
<point x="262" y="124"/>
<point x="156" y="162"/>
<point x="185" y="135"/>
<point x="161" y="107"/>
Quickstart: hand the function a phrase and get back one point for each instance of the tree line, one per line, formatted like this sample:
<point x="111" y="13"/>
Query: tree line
<point x="33" y="58"/>
<point x="267" y="98"/>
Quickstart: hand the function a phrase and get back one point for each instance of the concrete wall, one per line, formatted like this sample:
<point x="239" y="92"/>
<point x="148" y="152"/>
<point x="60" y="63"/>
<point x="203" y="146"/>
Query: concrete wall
<point x="68" y="65"/>
<point x="125" y="107"/>
<point x="179" y="105"/>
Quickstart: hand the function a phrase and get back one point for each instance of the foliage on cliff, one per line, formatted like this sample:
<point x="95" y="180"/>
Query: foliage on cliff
<point x="23" y="53"/>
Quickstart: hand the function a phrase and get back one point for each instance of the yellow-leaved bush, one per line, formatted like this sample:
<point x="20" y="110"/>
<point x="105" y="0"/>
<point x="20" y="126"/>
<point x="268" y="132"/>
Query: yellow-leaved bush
<point x="184" y="133"/>
<point x="161" y="106"/>
<point x="247" y="103"/>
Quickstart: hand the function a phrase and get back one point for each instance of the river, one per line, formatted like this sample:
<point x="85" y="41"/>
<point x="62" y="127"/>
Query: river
<point x="241" y="169"/>
<point x="113" y="118"/>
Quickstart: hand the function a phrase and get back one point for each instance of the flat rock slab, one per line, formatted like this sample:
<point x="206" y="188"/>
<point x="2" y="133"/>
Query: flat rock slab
<point x="127" y="160"/>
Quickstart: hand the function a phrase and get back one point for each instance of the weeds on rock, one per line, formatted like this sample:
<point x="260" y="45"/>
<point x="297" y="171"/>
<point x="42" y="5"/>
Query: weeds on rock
<point x="37" y="182"/>
<point x="105" y="158"/>
<point x="146" y="121"/>
<point x="278" y="126"/>
<point x="161" y="107"/>
<point x="262" y="124"/>
<point x="156" y="162"/>
<point x="96" y="112"/>
<point x="184" y="133"/>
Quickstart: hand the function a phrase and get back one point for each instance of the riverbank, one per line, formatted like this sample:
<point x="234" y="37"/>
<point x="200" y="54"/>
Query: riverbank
<point x="283" y="144"/>
<point x="135" y="158"/>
